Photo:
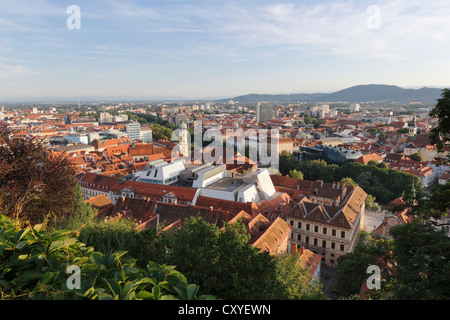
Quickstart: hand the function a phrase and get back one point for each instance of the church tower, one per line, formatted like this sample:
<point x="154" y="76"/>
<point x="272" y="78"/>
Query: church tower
<point x="413" y="127"/>
<point x="183" y="141"/>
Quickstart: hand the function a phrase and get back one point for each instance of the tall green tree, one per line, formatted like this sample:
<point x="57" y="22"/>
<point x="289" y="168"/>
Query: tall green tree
<point x="352" y="267"/>
<point x="440" y="135"/>
<point x="348" y="182"/>
<point x="295" y="174"/>
<point x="416" y="157"/>
<point x="422" y="269"/>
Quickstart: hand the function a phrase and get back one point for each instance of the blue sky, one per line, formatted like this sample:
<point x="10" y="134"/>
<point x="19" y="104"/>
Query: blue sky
<point x="208" y="49"/>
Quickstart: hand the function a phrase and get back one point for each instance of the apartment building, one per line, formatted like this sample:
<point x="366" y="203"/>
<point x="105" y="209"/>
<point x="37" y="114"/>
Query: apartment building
<point x="326" y="226"/>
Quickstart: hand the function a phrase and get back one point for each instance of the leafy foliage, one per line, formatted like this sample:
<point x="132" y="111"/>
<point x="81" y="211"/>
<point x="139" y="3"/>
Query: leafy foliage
<point x="220" y="260"/>
<point x="384" y="184"/>
<point x="440" y="135"/>
<point x="416" y="157"/>
<point x="352" y="267"/>
<point x="34" y="264"/>
<point x="422" y="264"/>
<point x="295" y="174"/>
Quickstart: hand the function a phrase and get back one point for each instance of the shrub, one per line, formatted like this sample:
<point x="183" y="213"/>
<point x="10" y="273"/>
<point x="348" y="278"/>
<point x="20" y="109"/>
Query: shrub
<point x="34" y="265"/>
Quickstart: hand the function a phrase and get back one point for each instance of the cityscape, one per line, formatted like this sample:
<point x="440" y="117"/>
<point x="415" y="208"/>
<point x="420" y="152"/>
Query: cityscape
<point x="213" y="163"/>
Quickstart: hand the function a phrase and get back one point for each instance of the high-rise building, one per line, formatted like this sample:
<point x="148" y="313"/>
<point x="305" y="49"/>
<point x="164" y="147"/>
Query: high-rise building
<point x="355" y="107"/>
<point x="264" y="111"/>
<point x="2" y="113"/>
<point x="133" y="130"/>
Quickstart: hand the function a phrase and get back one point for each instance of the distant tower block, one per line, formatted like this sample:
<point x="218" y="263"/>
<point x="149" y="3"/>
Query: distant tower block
<point x="355" y="107"/>
<point x="264" y="111"/>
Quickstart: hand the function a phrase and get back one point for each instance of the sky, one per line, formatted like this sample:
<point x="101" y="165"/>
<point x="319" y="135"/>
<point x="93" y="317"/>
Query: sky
<point x="219" y="49"/>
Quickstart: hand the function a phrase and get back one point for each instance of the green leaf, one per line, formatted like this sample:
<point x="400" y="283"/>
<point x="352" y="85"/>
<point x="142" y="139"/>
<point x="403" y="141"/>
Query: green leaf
<point x="169" y="297"/>
<point x="30" y="275"/>
<point x="62" y="243"/>
<point x="96" y="258"/>
<point x="126" y="290"/>
<point x="144" y="295"/>
<point x="38" y="227"/>
<point x="89" y="292"/>
<point x="21" y="244"/>
<point x="156" y="292"/>
<point x="146" y="281"/>
<point x="207" y="297"/>
<point x="114" y="286"/>
<point x="192" y="290"/>
<point x="20" y="234"/>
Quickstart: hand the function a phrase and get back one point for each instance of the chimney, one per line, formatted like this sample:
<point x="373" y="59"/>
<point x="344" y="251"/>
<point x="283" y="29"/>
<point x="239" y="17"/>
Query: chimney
<point x="293" y="248"/>
<point x="334" y="185"/>
<point x="301" y="250"/>
<point x="338" y="185"/>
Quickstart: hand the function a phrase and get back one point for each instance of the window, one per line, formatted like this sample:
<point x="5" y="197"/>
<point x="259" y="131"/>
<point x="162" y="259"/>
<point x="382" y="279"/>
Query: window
<point x="333" y="245"/>
<point x="332" y="261"/>
<point x="291" y="222"/>
<point x="315" y="242"/>
<point x="316" y="229"/>
<point x="342" y="234"/>
<point x="333" y="232"/>
<point x="324" y="244"/>
<point x="342" y="247"/>
<point x="299" y="237"/>
<point x="299" y="225"/>
<point x="324" y="230"/>
<point x="307" y="226"/>
<point x="307" y="240"/>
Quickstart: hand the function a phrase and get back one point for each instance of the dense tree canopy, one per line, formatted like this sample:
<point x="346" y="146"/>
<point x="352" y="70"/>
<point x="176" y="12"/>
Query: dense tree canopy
<point x="383" y="183"/>
<point x="220" y="260"/>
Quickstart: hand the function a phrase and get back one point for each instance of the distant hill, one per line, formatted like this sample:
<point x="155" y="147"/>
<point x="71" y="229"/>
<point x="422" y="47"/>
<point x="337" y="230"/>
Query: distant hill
<point x="361" y="93"/>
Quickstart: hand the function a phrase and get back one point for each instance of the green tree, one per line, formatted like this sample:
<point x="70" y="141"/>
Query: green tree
<point x="422" y="256"/>
<point x="382" y="165"/>
<point x="364" y="180"/>
<point x="383" y="136"/>
<point x="286" y="163"/>
<point x="371" y="204"/>
<point x="226" y="265"/>
<point x="403" y="130"/>
<point x="295" y="278"/>
<point x="440" y="135"/>
<point x="308" y="119"/>
<point x="352" y="267"/>
<point x="295" y="174"/>
<point x="435" y="205"/>
<point x="348" y="182"/>
<point x="222" y="261"/>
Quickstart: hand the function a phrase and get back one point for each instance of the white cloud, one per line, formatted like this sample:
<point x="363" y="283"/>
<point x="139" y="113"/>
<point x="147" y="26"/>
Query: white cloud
<point x="10" y="72"/>
<point x="336" y="28"/>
